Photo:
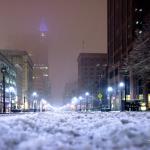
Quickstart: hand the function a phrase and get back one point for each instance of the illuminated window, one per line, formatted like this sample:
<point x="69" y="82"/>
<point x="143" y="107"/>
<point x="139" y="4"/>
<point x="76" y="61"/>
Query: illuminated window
<point x="140" y="31"/>
<point x="127" y="97"/>
<point x="136" y="9"/>
<point x="45" y="75"/>
<point x="140" y="96"/>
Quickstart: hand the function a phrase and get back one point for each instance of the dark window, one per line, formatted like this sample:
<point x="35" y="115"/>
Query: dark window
<point x="111" y="74"/>
<point x="116" y="71"/>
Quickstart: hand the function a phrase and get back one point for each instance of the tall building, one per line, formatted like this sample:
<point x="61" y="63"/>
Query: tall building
<point x="41" y="82"/>
<point x="24" y="68"/>
<point x="126" y="34"/>
<point x="11" y="97"/>
<point x="139" y="57"/>
<point x="91" y="68"/>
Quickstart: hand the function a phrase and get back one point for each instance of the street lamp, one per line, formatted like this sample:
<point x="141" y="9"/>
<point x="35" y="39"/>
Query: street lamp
<point x="80" y="98"/>
<point x="3" y="71"/>
<point x="110" y="90"/>
<point x="34" y="94"/>
<point x="121" y="86"/>
<point x="74" y="101"/>
<point x="87" y="94"/>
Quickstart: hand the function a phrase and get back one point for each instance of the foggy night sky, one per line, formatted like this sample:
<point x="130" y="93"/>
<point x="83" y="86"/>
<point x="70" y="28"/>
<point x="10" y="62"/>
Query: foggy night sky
<point x="69" y="22"/>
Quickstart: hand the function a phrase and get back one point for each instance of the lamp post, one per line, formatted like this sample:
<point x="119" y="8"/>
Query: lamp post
<point x="121" y="86"/>
<point x="80" y="98"/>
<point x="34" y="94"/>
<point x="87" y="94"/>
<point x="110" y="90"/>
<point x="74" y="101"/>
<point x="3" y="71"/>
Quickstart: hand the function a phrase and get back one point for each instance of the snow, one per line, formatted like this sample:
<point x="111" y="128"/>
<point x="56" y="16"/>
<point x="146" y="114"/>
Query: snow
<point x="75" y="131"/>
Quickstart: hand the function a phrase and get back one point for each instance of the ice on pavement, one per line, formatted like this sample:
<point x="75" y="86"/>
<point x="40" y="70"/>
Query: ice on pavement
<point x="76" y="131"/>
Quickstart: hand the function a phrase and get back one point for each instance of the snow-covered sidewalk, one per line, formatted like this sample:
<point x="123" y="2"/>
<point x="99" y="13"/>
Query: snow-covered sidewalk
<point x="76" y="131"/>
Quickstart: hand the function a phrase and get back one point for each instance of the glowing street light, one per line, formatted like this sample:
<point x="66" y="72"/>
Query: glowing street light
<point x="121" y="86"/>
<point x="74" y="100"/>
<point x="34" y="94"/>
<point x="110" y="90"/>
<point x="87" y="94"/>
<point x="80" y="98"/>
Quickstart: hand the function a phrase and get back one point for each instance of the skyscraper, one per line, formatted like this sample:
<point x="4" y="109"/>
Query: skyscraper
<point x="126" y="33"/>
<point x="41" y="81"/>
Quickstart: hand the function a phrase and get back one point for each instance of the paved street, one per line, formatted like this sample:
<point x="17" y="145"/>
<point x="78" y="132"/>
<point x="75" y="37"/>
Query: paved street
<point x="75" y="131"/>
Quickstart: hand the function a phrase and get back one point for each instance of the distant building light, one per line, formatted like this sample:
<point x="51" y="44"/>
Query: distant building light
<point x="97" y="65"/>
<point x="45" y="75"/>
<point x="140" y="32"/>
<point x="136" y="9"/>
<point x="43" y="68"/>
<point x="43" y="34"/>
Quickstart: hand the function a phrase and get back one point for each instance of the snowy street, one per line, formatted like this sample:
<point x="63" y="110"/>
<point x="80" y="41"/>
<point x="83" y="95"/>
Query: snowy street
<point x="75" y="131"/>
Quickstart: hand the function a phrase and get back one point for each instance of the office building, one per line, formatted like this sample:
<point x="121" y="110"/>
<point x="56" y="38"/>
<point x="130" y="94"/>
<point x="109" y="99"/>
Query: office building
<point x="91" y="69"/>
<point x="11" y="97"/>
<point x="41" y="82"/>
<point x="128" y="43"/>
<point x="24" y="67"/>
